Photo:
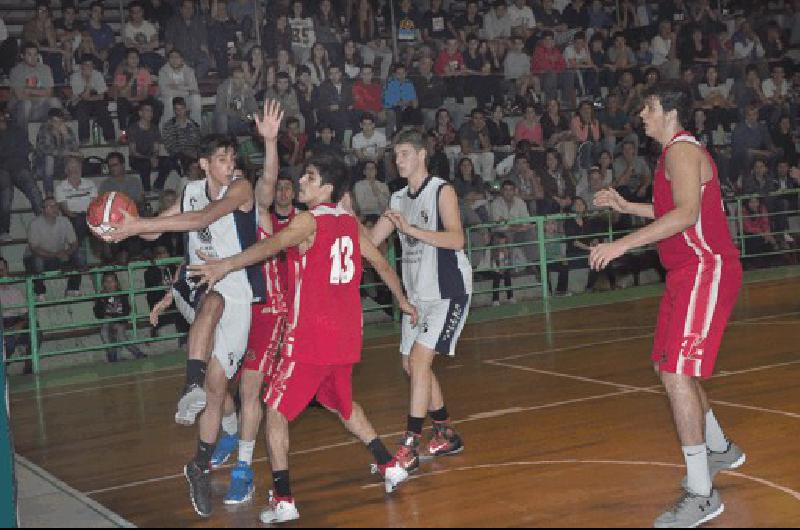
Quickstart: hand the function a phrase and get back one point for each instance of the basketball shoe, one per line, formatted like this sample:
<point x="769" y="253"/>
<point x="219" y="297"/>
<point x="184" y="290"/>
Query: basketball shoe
<point x="408" y="453"/>
<point x="691" y="511"/>
<point x="241" y="488"/>
<point x="444" y="441"/>
<point x="393" y="474"/>
<point x="731" y="458"/>
<point x="192" y="403"/>
<point x="280" y="510"/>
<point x="199" y="488"/>
<point x="225" y="446"/>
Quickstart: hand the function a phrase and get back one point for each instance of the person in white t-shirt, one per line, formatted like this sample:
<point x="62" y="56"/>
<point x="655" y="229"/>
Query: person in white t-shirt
<point x="780" y="97"/>
<point x="140" y="34"/>
<point x="73" y="195"/>
<point x="371" y="195"/>
<point x="523" y="21"/>
<point x="369" y="144"/>
<point x="663" y="49"/>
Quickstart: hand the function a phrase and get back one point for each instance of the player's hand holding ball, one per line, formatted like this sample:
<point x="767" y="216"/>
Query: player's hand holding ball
<point x="111" y="217"/>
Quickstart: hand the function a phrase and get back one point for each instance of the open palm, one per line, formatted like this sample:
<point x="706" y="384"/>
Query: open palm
<point x="270" y="124"/>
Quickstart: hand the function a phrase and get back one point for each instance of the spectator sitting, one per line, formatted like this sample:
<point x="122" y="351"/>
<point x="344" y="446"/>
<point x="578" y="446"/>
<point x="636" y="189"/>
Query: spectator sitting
<point x="259" y="75"/>
<point x="52" y="245"/>
<point x="302" y="31"/>
<point x="326" y="140"/>
<point x="327" y="29"/>
<point x="582" y="234"/>
<point x="335" y="101"/>
<point x="15" y="172"/>
<point x="780" y="99"/>
<point x="100" y="33"/>
<point x="664" y="51"/>
<point x="497" y="25"/>
<point x="163" y="276"/>
<point x="292" y="144"/>
<point x="759" y="181"/>
<point x="14" y="318"/>
<point x="120" y="181"/>
<point x="632" y="176"/>
<point x="530" y="187"/>
<point x="498" y="129"/>
<point x="758" y="235"/>
<point x="616" y="125"/>
<point x="41" y="31"/>
<point x="89" y="101"/>
<point x="470" y="23"/>
<point x="9" y="50"/>
<point x="595" y="185"/>
<point x="222" y="39"/>
<point x="530" y="128"/>
<point x="717" y="99"/>
<point x="31" y="88"/>
<point x="784" y="139"/>
<point x="466" y="180"/>
<point x="54" y="142"/>
<point x="73" y="195"/>
<point x="430" y="90"/>
<point x="509" y="207"/>
<point x="517" y="63"/>
<point x="750" y="139"/>
<point x="132" y="85"/>
<point x="550" y="66"/>
<point x="558" y="183"/>
<point x="585" y="128"/>
<point x="319" y="64"/>
<point x="176" y="79"/>
<point x="371" y="195"/>
<point x="367" y="93"/>
<point x="555" y="126"/>
<point x="276" y="35"/>
<point x="187" y="33"/>
<point x="579" y="58"/>
<point x="114" y="306"/>
<point x="145" y="144"/>
<point x="285" y="95"/>
<point x="438" y="164"/>
<point x="351" y="60"/>
<point x="140" y="34"/>
<point x="235" y="105"/>
<point x="369" y="144"/>
<point x="243" y="13"/>
<point x="181" y="134"/>
<point x="476" y="144"/>
<point x="400" y="101"/>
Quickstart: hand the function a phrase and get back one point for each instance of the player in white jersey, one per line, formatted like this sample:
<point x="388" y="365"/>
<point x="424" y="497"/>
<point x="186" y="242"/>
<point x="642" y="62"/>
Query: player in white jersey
<point x="218" y="214"/>
<point x="438" y="279"/>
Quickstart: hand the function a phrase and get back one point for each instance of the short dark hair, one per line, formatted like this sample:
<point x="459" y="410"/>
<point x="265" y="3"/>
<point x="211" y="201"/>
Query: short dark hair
<point x="88" y="58"/>
<point x="56" y="113"/>
<point x="212" y="143"/>
<point x="291" y="120"/>
<point x="509" y="183"/>
<point x="411" y="137"/>
<point x="368" y="116"/>
<point x="283" y="75"/>
<point x="673" y="95"/>
<point x="97" y="3"/>
<point x="135" y="3"/>
<point x="129" y="51"/>
<point x="28" y="45"/>
<point x="116" y="154"/>
<point x="332" y="170"/>
<point x="178" y="100"/>
<point x="4" y="260"/>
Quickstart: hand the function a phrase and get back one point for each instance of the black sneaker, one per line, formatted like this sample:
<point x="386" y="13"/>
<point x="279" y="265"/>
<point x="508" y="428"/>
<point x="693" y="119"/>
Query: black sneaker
<point x="199" y="488"/>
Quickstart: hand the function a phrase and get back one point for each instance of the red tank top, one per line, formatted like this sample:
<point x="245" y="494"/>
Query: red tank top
<point x="276" y="270"/>
<point x="707" y="239"/>
<point x="325" y="318"/>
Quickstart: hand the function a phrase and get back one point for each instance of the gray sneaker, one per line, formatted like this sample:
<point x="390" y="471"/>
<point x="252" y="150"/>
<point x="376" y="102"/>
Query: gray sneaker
<point x="691" y="511"/>
<point x="192" y="403"/>
<point x="732" y="458"/>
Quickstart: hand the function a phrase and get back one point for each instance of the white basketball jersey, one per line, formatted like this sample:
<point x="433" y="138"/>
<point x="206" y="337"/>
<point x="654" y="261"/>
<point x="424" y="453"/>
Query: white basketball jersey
<point x="430" y="273"/>
<point x="228" y="236"/>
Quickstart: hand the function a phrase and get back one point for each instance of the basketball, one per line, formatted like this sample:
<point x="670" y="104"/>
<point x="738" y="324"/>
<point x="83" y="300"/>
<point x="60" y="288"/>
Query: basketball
<point x="107" y="209"/>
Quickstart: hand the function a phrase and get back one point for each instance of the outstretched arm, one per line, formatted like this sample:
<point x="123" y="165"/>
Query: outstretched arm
<point x="301" y="229"/>
<point x="610" y="198"/>
<point x="684" y="165"/>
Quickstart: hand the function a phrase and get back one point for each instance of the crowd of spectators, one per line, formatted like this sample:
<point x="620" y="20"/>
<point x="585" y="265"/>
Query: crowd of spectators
<point x="530" y="106"/>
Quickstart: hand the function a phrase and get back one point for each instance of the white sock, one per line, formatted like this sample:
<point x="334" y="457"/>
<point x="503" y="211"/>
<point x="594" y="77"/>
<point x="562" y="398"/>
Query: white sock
<point x="230" y="424"/>
<point x="715" y="438"/>
<point x="697" y="473"/>
<point x="246" y="451"/>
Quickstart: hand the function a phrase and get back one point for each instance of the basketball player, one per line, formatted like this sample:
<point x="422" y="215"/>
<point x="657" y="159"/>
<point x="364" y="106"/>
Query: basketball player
<point x="325" y="334"/>
<point x="267" y="327"/>
<point x="218" y="214"/>
<point x="438" y="280"/>
<point x="703" y="282"/>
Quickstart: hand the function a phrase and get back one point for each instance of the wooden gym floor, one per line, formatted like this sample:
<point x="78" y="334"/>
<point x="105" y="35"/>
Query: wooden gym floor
<point x="562" y="417"/>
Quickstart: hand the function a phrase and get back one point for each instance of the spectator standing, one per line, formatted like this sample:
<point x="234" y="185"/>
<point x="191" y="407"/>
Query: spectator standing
<point x="89" y="102"/>
<point x="31" y="88"/>
<point x="235" y="105"/>
<point x="114" y="306"/>
<point x="52" y="245"/>
<point x="188" y="34"/>
<point x="176" y="79"/>
<point x="54" y="142"/>
<point x="73" y="195"/>
<point x="15" y="172"/>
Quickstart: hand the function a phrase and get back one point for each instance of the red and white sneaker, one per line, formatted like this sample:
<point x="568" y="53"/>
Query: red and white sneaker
<point x="280" y="510"/>
<point x="393" y="474"/>
<point x="445" y="441"/>
<point x="408" y="453"/>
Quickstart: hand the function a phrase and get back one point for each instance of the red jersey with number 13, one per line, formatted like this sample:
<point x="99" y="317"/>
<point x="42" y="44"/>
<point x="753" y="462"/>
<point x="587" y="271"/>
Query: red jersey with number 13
<point x="710" y="237"/>
<point x="325" y="320"/>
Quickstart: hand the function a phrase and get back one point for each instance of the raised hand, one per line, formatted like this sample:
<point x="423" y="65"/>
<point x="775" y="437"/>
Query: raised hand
<point x="270" y="124"/>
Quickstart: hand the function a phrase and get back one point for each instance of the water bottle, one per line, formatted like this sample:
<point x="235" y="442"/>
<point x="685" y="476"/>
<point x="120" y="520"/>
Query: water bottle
<point x="95" y="133"/>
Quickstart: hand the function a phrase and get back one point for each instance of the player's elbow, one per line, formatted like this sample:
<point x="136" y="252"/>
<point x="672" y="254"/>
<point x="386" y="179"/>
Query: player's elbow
<point x="459" y="241"/>
<point x="688" y="218"/>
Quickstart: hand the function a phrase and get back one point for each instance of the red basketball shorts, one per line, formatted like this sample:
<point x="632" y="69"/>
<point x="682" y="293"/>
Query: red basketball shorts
<point x="694" y="313"/>
<point x="264" y="343"/>
<point x="295" y="384"/>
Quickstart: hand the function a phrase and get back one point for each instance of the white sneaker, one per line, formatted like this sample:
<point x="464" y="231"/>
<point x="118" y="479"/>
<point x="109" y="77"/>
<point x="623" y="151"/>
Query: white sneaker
<point x="394" y="476"/>
<point x="192" y="403"/>
<point x="279" y="511"/>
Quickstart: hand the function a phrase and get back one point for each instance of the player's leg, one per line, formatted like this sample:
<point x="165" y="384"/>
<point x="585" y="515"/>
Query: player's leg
<point x="242" y="486"/>
<point x="723" y="454"/>
<point x="281" y="507"/>
<point x="198" y="470"/>
<point x="201" y="344"/>
<point x="229" y="438"/>
<point x="420" y="373"/>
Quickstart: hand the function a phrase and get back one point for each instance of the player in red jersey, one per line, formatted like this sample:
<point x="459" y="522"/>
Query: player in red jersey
<point x="325" y="324"/>
<point x="703" y="282"/>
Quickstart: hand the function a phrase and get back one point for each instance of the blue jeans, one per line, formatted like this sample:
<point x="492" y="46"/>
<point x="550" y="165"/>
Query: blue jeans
<point x="37" y="265"/>
<point x="20" y="177"/>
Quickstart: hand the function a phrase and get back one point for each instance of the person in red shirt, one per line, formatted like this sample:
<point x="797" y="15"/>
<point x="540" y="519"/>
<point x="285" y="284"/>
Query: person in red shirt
<point x="704" y="276"/>
<point x="450" y="60"/>
<point x="368" y="94"/>
<point x="550" y="67"/>
<point x="323" y="344"/>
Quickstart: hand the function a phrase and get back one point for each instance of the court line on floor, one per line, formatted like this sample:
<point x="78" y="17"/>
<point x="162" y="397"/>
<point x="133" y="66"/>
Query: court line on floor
<point x="471" y="418"/>
<point x="762" y="481"/>
<point x="656" y="389"/>
<point x="82" y="498"/>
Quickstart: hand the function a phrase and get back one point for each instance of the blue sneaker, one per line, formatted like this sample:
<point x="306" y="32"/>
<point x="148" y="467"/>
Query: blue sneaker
<point x="225" y="447"/>
<point x="241" y="488"/>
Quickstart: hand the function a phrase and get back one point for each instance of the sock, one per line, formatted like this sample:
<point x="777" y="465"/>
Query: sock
<point x="698" y="475"/>
<point x="195" y="372"/>
<point x="230" y="424"/>
<point x="415" y="425"/>
<point x="246" y="451"/>
<point x="280" y="480"/>
<point x="204" y="452"/>
<point x="715" y="438"/>
<point x="379" y="451"/>
<point x="440" y="415"/>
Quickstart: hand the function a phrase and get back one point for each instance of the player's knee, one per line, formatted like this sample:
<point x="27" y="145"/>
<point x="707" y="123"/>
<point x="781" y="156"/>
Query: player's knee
<point x="213" y="304"/>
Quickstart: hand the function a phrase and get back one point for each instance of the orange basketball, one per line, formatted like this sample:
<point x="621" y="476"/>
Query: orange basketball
<point x="107" y="209"/>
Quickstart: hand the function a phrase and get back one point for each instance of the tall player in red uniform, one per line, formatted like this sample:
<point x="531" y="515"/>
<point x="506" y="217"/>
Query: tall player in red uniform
<point x="325" y="325"/>
<point x="703" y="282"/>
